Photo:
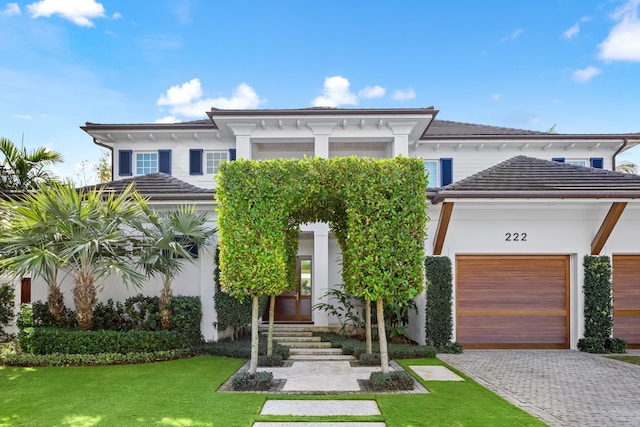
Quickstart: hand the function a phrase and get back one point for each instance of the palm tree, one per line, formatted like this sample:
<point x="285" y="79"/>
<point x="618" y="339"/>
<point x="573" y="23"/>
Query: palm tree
<point x="23" y="170"/>
<point x="88" y="235"/>
<point x="627" y="166"/>
<point x="167" y="238"/>
<point x="28" y="246"/>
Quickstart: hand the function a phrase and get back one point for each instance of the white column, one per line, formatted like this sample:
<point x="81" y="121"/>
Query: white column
<point x="401" y="132"/>
<point x="321" y="132"/>
<point x="320" y="270"/>
<point x="243" y="131"/>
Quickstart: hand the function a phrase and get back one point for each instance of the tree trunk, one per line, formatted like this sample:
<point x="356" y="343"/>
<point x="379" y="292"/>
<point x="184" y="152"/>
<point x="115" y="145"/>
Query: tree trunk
<point x="164" y="304"/>
<point x="253" y="365"/>
<point x="84" y="298"/>
<point x="272" y="312"/>
<point x="382" y="337"/>
<point x="55" y="301"/>
<point x="367" y="324"/>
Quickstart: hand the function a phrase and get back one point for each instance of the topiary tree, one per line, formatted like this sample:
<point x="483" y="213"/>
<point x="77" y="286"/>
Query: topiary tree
<point x="439" y="318"/>
<point x="374" y="207"/>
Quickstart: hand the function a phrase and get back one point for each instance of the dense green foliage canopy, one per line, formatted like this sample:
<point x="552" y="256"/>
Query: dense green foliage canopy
<point x="374" y="207"/>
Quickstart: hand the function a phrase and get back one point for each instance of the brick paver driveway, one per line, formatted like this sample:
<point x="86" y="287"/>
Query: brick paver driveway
<point x="561" y="387"/>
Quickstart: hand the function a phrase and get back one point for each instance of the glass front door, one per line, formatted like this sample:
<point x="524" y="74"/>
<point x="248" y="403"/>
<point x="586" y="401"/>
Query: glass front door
<point x="295" y="306"/>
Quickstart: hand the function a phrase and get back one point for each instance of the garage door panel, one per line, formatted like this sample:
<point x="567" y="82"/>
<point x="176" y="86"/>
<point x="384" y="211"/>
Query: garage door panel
<point x="512" y="301"/>
<point x="513" y="330"/>
<point x="627" y="328"/>
<point x="626" y="298"/>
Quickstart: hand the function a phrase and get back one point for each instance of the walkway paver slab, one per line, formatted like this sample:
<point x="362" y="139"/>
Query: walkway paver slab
<point x="435" y="373"/>
<point x="320" y="407"/>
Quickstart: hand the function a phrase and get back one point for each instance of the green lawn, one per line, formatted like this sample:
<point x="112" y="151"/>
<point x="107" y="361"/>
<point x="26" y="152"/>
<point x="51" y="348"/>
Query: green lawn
<point x="634" y="360"/>
<point x="182" y="393"/>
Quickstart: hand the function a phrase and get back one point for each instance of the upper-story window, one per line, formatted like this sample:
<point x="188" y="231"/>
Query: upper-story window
<point x="146" y="163"/>
<point x="431" y="170"/>
<point x="213" y="159"/>
<point x="576" y="162"/>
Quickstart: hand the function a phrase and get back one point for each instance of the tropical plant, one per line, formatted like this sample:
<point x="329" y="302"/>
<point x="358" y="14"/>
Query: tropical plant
<point x="627" y="166"/>
<point x="90" y="237"/>
<point x="7" y="312"/>
<point x="167" y="242"/>
<point x="24" y="170"/>
<point x="29" y="245"/>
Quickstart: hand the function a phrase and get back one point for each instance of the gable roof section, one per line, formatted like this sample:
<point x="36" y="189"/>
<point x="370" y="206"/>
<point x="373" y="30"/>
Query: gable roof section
<point x="527" y="177"/>
<point x="159" y="186"/>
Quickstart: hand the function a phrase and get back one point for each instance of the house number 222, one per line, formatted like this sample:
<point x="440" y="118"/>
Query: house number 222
<point x="515" y="237"/>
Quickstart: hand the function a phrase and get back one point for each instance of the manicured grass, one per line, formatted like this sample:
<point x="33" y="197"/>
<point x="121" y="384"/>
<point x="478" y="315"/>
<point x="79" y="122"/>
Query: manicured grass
<point x="182" y="393"/>
<point x="635" y="360"/>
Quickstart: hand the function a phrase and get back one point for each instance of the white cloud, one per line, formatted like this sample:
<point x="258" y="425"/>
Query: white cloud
<point x="512" y="36"/>
<point x="167" y="119"/>
<point x="80" y="12"/>
<point x="572" y="32"/>
<point x="372" y="92"/>
<point x="335" y="93"/>
<point x="186" y="100"/>
<point x="12" y="9"/>
<point x="623" y="41"/>
<point x="586" y="74"/>
<point x="22" y="116"/>
<point x="534" y="120"/>
<point x="116" y="15"/>
<point x="496" y="97"/>
<point x="403" y="94"/>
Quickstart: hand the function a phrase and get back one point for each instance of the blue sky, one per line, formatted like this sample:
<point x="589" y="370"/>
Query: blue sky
<point x="526" y="64"/>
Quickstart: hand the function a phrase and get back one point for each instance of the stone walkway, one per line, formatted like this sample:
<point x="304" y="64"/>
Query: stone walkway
<point x="561" y="387"/>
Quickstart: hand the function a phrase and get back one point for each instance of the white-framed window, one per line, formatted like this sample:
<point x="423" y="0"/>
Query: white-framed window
<point x="431" y="170"/>
<point x="212" y="161"/>
<point x="576" y="162"/>
<point x="146" y="163"/>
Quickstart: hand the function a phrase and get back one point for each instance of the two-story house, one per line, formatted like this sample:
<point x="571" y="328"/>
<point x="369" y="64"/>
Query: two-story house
<point x="515" y="210"/>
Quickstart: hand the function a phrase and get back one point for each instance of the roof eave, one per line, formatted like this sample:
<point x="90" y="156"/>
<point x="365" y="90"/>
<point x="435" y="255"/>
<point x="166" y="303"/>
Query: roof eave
<point x="584" y="194"/>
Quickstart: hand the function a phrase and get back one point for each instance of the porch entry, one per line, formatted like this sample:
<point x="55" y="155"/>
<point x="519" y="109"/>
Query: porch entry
<point x="295" y="306"/>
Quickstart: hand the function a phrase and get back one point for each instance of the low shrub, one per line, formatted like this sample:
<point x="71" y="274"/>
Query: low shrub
<point x="241" y="349"/>
<point x="602" y="345"/>
<point x="70" y="341"/>
<point x="356" y="348"/>
<point x="394" y="380"/>
<point x="451" y="347"/>
<point x="243" y="381"/>
<point x="27" y="359"/>
<point x="370" y="359"/>
<point x="7" y="312"/>
<point x="270" y="361"/>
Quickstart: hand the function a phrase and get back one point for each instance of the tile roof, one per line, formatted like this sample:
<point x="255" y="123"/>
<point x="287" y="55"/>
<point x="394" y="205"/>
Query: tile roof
<point x="449" y="128"/>
<point x="528" y="177"/>
<point x="160" y="186"/>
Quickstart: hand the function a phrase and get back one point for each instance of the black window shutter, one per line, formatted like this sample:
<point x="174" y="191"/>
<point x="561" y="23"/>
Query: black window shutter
<point x="558" y="159"/>
<point x="446" y="171"/>
<point x="124" y="162"/>
<point x="195" y="162"/>
<point x="232" y="154"/>
<point x="597" y="162"/>
<point x="164" y="161"/>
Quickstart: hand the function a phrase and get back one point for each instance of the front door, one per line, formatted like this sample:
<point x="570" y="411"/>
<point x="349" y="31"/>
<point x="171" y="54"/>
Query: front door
<point x="295" y="306"/>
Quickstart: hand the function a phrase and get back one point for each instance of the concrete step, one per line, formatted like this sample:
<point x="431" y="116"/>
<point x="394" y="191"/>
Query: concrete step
<point x="296" y="339"/>
<point x="301" y="344"/>
<point x="290" y="334"/>
<point x="302" y="328"/>
<point x="315" y="351"/>
<point x="319" y="357"/>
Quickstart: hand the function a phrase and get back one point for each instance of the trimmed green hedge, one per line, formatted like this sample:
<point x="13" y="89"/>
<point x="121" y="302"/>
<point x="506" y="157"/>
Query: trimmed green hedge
<point x="439" y="318"/>
<point x="6" y="308"/>
<point x="243" y="381"/>
<point x="72" y="341"/>
<point x="391" y="381"/>
<point x="598" y="308"/>
<point x="358" y="348"/>
<point x="27" y="359"/>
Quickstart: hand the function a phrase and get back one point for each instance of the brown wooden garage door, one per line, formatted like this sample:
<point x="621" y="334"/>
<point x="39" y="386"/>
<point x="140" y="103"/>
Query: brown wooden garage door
<point x="512" y="301"/>
<point x="626" y="298"/>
